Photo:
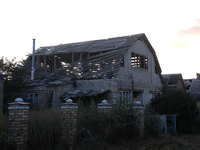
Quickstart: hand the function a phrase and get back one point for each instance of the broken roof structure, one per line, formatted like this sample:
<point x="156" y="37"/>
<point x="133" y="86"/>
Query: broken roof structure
<point x="123" y="67"/>
<point x="85" y="60"/>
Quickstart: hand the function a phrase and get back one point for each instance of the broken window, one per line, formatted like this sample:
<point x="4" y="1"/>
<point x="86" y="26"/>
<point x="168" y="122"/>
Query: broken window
<point x="124" y="98"/>
<point x="139" y="61"/>
<point x="137" y="96"/>
<point x="33" y="98"/>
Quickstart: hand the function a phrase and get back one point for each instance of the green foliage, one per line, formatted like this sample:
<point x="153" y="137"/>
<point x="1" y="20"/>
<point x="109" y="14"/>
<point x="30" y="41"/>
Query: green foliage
<point x="152" y="122"/>
<point x="44" y="129"/>
<point x="14" y="77"/>
<point x="176" y="102"/>
<point x="3" y="130"/>
<point x="87" y="115"/>
<point x="122" y="124"/>
<point x="119" y="124"/>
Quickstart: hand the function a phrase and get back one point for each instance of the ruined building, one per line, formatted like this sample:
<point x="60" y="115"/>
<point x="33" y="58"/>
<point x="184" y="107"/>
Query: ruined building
<point x="122" y="70"/>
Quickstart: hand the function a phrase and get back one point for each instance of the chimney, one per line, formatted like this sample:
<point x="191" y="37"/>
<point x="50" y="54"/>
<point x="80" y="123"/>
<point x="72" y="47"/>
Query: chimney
<point x="33" y="61"/>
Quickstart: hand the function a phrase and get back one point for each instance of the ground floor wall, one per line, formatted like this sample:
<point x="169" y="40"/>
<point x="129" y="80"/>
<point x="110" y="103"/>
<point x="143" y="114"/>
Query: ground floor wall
<point x="139" y="91"/>
<point x="51" y="95"/>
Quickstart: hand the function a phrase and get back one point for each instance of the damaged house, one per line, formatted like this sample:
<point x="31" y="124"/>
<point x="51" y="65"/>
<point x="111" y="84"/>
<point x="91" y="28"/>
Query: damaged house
<point x="121" y="70"/>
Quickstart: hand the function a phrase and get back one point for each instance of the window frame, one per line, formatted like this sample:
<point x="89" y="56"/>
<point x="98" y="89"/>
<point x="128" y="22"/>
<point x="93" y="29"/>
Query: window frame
<point x="140" y="93"/>
<point x="127" y="100"/>
<point x="33" y="98"/>
<point x="153" y="95"/>
<point x="139" y="61"/>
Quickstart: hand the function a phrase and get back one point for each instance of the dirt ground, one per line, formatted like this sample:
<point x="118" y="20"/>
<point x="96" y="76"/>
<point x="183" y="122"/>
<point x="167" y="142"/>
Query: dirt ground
<point x="162" y="142"/>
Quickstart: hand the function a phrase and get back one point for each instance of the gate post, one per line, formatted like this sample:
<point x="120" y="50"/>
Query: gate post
<point x="139" y="116"/>
<point x="18" y="123"/>
<point x="105" y="107"/>
<point x="69" y="122"/>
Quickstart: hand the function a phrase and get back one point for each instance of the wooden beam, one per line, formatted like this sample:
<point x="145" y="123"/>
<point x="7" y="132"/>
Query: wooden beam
<point x="54" y="63"/>
<point x="81" y="56"/>
<point x="45" y="64"/>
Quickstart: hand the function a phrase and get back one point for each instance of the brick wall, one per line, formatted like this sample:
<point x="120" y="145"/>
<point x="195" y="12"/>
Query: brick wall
<point x="18" y="124"/>
<point x="69" y="122"/>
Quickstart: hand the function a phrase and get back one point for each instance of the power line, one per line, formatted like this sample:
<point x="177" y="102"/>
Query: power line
<point x="185" y="60"/>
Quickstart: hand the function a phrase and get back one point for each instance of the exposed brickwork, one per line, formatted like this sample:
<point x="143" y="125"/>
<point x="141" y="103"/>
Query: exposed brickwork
<point x="18" y="124"/>
<point x="139" y="116"/>
<point x="69" y="123"/>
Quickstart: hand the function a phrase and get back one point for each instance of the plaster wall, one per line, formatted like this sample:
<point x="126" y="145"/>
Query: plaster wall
<point x="58" y="90"/>
<point x="139" y="78"/>
<point x="111" y="95"/>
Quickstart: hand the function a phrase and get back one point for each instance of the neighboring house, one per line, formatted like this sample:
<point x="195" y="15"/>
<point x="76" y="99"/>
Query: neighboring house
<point x="174" y="81"/>
<point x="193" y="87"/>
<point x="121" y="70"/>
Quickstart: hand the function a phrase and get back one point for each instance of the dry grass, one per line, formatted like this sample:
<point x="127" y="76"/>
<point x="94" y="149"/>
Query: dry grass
<point x="162" y="142"/>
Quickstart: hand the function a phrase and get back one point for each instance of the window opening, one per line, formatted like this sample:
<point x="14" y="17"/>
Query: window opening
<point x="139" y="61"/>
<point x="137" y="96"/>
<point x="124" y="98"/>
<point x="153" y="95"/>
<point x="33" y="98"/>
<point x="122" y="63"/>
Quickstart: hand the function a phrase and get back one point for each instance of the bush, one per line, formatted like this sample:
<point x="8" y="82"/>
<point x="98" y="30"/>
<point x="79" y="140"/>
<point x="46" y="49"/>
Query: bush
<point x="171" y="101"/>
<point x="152" y="122"/>
<point x="44" y="129"/>
<point x="3" y="130"/>
<point x="120" y="124"/>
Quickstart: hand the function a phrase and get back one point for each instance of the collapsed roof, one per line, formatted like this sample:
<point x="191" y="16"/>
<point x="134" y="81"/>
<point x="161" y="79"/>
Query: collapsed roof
<point x="83" y="93"/>
<point x="86" y="60"/>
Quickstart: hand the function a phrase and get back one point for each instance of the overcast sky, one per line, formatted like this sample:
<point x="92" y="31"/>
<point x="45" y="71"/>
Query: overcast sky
<point x="172" y="27"/>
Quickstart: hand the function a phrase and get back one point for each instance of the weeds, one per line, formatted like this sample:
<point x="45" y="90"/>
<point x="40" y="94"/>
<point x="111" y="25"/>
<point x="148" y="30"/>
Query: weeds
<point x="118" y="130"/>
<point x="3" y="130"/>
<point x="44" y="129"/>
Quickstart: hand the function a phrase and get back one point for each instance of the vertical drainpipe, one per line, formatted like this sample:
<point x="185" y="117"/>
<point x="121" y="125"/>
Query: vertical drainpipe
<point x="33" y="61"/>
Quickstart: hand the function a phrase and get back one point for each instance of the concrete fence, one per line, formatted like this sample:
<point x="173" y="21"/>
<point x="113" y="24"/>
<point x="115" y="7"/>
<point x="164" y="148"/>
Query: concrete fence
<point x="18" y="121"/>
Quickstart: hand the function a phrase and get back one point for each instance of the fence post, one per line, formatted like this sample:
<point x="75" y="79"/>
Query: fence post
<point x="138" y="111"/>
<point x="105" y="107"/>
<point x="18" y="124"/>
<point x="69" y="122"/>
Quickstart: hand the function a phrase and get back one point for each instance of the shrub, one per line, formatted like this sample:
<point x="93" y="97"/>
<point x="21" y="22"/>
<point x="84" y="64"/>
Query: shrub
<point x="177" y="102"/>
<point x="151" y="123"/>
<point x="123" y="123"/>
<point x="119" y="125"/>
<point x="44" y="129"/>
<point x="3" y="130"/>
